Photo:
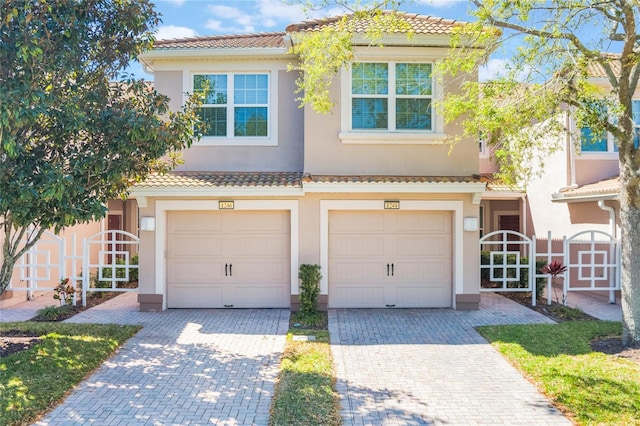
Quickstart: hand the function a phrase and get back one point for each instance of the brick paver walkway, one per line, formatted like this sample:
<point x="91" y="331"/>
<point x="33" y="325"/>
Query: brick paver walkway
<point x="428" y="366"/>
<point x="185" y="367"/>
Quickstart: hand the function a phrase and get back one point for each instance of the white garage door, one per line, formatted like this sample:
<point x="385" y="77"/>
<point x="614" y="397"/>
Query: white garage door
<point x="221" y="259"/>
<point x="390" y="259"/>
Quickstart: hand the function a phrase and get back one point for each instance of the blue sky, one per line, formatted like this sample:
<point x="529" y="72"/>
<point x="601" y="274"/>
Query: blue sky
<point x="189" y="18"/>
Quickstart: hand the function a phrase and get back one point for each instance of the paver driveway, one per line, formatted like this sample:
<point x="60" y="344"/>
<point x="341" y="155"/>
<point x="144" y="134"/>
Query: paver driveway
<point x="184" y="367"/>
<point x="429" y="366"/>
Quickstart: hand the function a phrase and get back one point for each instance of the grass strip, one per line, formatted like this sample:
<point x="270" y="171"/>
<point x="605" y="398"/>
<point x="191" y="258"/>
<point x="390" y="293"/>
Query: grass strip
<point x="305" y="393"/>
<point x="35" y="380"/>
<point x="590" y="387"/>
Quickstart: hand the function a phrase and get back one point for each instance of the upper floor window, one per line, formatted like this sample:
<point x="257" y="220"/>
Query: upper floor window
<point x="594" y="143"/>
<point x="236" y="105"/>
<point x="391" y="96"/>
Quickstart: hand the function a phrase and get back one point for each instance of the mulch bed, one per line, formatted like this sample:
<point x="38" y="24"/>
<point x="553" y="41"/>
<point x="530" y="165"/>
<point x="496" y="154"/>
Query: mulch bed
<point x="607" y="345"/>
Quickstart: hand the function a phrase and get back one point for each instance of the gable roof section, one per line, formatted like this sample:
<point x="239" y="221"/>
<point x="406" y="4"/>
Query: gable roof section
<point x="596" y="70"/>
<point x="223" y="180"/>
<point x="420" y="24"/>
<point x="238" y="41"/>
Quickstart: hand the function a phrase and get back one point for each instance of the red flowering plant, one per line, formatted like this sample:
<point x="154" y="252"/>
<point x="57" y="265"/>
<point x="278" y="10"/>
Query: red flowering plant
<point x="64" y="292"/>
<point x="554" y="269"/>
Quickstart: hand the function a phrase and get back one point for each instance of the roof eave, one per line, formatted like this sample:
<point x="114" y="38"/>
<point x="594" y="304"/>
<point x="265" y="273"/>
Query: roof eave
<point x="562" y="198"/>
<point x="175" y="53"/>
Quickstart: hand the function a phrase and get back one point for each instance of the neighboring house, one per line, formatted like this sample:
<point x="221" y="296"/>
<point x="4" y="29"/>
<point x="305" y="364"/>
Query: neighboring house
<point x="577" y="191"/>
<point x="371" y="192"/>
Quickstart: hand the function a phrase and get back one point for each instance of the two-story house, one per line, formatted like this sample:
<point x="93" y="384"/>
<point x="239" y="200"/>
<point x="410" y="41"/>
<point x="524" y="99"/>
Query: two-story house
<point x="371" y="192"/>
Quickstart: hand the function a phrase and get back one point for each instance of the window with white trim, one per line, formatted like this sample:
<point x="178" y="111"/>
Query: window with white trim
<point x="594" y="143"/>
<point x="236" y="105"/>
<point x="391" y="96"/>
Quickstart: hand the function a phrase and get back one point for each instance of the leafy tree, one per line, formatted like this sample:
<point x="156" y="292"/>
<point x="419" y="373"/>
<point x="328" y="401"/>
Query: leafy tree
<point x="549" y="74"/>
<point x="70" y="138"/>
<point x="557" y="41"/>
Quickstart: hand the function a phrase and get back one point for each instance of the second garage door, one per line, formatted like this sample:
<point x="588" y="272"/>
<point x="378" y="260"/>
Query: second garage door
<point x="221" y="259"/>
<point x="390" y="259"/>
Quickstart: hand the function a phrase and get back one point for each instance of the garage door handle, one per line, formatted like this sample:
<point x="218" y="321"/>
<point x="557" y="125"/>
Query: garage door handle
<point x="387" y="269"/>
<point x="392" y="269"/>
<point x="225" y="269"/>
<point x="230" y="270"/>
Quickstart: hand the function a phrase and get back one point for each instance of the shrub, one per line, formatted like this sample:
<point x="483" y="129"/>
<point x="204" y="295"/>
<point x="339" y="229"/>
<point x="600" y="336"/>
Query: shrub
<point x="121" y="272"/>
<point x="310" y="277"/>
<point x="64" y="292"/>
<point x="53" y="313"/>
<point x="485" y="273"/>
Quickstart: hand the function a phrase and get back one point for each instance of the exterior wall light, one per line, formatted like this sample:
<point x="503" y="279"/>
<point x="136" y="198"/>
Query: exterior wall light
<point x="147" y="223"/>
<point x="470" y="224"/>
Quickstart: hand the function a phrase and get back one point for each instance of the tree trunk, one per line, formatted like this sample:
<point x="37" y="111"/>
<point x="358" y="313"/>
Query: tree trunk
<point x="630" y="273"/>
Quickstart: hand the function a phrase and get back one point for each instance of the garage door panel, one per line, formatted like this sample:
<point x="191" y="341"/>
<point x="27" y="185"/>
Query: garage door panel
<point x="347" y="222"/>
<point x="431" y="246"/>
<point x="418" y="244"/>
<point x="261" y="272"/>
<point x="249" y="222"/>
<point x="192" y="271"/>
<point x="194" y="221"/>
<point x="254" y="245"/>
<point x="275" y="247"/>
<point x="433" y="295"/>
<point x="261" y="297"/>
<point x="194" y="246"/>
<point x="355" y="272"/>
<point x="357" y="297"/>
<point x="181" y="296"/>
<point x="354" y="245"/>
<point x="423" y="222"/>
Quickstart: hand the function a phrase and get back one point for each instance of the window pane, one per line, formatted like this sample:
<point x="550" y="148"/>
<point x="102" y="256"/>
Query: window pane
<point x="413" y="79"/>
<point x="369" y="79"/>
<point x="215" y="120"/>
<point x="250" y="121"/>
<point x="251" y="89"/>
<point x="369" y="114"/>
<point x="591" y="142"/>
<point x="217" y="90"/>
<point x="413" y="114"/>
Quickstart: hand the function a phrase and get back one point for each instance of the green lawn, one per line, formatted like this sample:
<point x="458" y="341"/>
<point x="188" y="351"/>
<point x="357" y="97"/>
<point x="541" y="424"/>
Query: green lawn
<point x="35" y="380"/>
<point x="590" y="387"/>
<point x="305" y="392"/>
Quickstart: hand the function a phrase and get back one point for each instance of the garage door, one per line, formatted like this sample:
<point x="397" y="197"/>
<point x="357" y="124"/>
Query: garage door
<point x="228" y="259"/>
<point x="390" y="259"/>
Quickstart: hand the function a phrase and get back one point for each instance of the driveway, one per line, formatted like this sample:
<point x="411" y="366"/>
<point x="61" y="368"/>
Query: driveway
<point x="184" y="367"/>
<point x="429" y="366"/>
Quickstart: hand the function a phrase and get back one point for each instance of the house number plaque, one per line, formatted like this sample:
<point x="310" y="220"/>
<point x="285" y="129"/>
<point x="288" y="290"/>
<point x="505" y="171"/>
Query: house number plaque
<point x="225" y="205"/>
<point x="392" y="205"/>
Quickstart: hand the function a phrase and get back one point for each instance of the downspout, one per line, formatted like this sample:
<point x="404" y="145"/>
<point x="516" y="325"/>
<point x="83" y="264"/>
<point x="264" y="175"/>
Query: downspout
<point x="612" y="226"/>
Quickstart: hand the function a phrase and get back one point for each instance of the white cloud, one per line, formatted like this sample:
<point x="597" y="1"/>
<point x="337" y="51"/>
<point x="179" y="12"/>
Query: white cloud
<point x="441" y="4"/>
<point x="171" y="31"/>
<point x="266" y="15"/>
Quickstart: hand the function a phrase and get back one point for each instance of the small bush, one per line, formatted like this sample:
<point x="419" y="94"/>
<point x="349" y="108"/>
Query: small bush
<point x="310" y="277"/>
<point x="121" y="272"/>
<point x="53" y="313"/>
<point x="485" y="273"/>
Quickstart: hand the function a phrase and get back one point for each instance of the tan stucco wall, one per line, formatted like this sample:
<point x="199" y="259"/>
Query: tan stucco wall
<point x="309" y="234"/>
<point x="286" y="156"/>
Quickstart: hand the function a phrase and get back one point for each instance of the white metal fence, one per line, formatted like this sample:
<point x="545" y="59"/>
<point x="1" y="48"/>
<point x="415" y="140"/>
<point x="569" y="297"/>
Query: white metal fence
<point x="511" y="262"/>
<point x="102" y="262"/>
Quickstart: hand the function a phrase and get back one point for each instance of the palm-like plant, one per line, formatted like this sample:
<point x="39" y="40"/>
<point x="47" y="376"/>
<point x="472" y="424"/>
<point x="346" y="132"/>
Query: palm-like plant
<point x="554" y="269"/>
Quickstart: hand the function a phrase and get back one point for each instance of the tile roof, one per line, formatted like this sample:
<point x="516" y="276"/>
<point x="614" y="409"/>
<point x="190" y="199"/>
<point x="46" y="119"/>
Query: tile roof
<point x="420" y="24"/>
<point x="372" y="179"/>
<point x="238" y="41"/>
<point x="223" y="180"/>
<point x="596" y="70"/>
<point x="496" y="185"/>
<point x="610" y="186"/>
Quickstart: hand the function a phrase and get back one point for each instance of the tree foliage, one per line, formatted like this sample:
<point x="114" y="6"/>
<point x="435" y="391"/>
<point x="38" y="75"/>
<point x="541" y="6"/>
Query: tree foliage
<point x="71" y="138"/>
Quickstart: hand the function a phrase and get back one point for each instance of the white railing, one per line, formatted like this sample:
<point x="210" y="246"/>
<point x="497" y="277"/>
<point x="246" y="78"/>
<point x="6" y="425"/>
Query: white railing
<point x="102" y="263"/>
<point x="592" y="259"/>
